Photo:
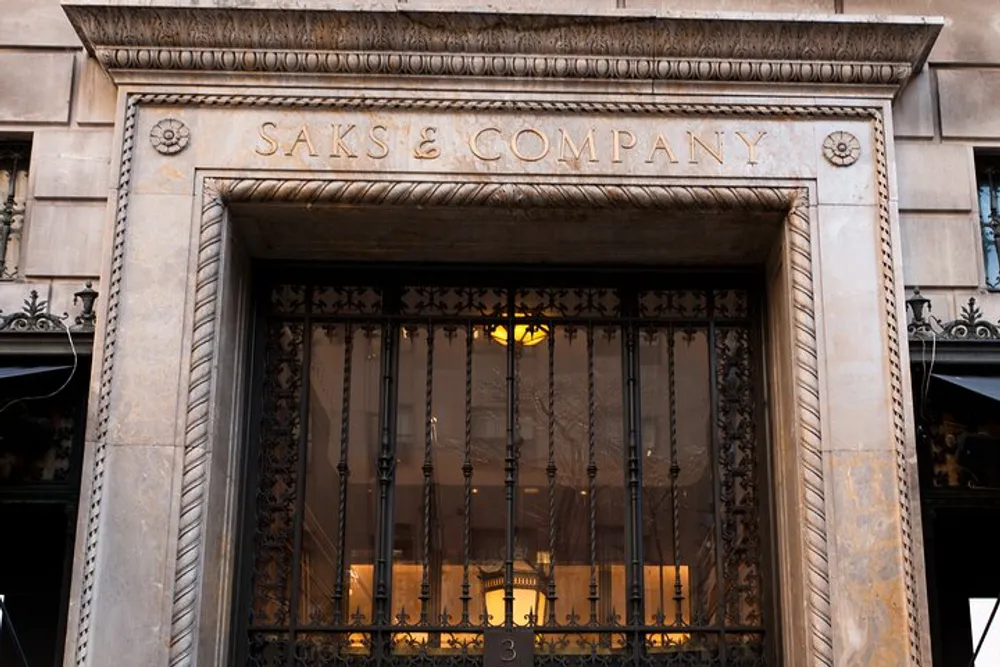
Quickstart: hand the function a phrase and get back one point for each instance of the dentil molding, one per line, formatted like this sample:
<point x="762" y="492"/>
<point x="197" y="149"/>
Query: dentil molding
<point x="727" y="48"/>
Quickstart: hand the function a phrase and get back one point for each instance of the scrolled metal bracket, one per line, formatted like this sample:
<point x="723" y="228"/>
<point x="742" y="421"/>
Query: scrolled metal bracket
<point x="971" y="325"/>
<point x="34" y="316"/>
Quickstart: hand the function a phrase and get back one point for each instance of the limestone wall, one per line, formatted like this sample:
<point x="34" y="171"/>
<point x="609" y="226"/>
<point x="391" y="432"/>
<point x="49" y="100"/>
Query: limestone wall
<point x="53" y="93"/>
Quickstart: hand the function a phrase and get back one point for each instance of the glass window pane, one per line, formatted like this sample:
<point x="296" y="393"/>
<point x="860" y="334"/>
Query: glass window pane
<point x="570" y="500"/>
<point x="980" y="610"/>
<point x="338" y="525"/>
<point x="678" y="496"/>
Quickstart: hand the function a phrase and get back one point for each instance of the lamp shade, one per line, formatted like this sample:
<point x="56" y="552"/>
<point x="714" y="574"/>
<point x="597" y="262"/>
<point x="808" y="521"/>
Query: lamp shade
<point x="529" y="598"/>
<point x="526" y="335"/>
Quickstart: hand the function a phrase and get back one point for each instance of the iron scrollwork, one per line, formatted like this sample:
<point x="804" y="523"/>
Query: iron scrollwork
<point x="970" y="325"/>
<point x="35" y="317"/>
<point x="437" y="463"/>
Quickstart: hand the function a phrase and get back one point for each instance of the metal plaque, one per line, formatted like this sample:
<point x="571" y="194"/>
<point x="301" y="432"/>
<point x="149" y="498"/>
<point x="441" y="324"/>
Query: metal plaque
<point x="508" y="648"/>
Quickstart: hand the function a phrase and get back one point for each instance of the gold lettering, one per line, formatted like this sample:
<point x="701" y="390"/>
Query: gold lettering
<point x="567" y="142"/>
<point x="474" y="144"/>
<point x="618" y="144"/>
<point x="534" y="158"/>
<point x="338" y="141"/>
<point x="751" y="146"/>
<point x="426" y="150"/>
<point x="379" y="143"/>
<point x="302" y="138"/>
<point x="661" y="144"/>
<point x="272" y="143"/>
<point x="716" y="152"/>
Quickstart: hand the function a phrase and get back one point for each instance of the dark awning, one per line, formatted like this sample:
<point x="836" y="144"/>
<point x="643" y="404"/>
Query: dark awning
<point x="984" y="386"/>
<point x="20" y="371"/>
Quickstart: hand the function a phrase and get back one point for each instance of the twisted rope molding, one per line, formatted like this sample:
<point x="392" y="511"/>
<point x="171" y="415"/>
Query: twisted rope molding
<point x="901" y="448"/>
<point x="527" y="194"/>
<point x="521" y="195"/>
<point x="104" y="393"/>
<point x="183" y="622"/>
<point x="810" y="435"/>
<point x="519" y="106"/>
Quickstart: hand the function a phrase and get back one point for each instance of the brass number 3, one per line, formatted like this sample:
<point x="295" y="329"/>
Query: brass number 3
<point x="509" y="654"/>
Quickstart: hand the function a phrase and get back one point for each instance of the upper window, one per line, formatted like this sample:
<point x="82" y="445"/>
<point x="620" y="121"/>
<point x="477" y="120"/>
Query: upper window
<point x="577" y="462"/>
<point x="14" y="157"/>
<point x="988" y="177"/>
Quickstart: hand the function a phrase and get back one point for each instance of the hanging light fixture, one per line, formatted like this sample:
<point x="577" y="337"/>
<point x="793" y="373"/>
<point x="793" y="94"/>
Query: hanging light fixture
<point x="528" y="588"/>
<point x="525" y="335"/>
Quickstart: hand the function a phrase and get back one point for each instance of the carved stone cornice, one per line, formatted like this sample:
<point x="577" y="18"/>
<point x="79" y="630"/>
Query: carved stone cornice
<point x="622" y="47"/>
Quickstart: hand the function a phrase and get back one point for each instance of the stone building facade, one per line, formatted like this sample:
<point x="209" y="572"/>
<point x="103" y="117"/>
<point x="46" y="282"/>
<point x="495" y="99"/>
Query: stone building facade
<point x="173" y="156"/>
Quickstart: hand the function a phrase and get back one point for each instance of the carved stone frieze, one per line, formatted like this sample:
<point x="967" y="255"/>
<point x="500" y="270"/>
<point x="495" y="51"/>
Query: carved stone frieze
<point x="456" y="44"/>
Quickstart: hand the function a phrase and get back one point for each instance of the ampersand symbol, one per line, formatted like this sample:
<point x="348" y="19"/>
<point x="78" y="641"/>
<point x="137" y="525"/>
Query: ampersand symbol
<point x="426" y="150"/>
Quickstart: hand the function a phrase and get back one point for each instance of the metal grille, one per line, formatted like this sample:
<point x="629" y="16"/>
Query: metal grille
<point x="14" y="158"/>
<point x="436" y="461"/>
<point x="989" y="214"/>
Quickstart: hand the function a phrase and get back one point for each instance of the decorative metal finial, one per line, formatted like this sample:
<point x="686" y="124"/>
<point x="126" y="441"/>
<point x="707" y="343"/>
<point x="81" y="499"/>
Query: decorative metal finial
<point x="87" y="318"/>
<point x="916" y="305"/>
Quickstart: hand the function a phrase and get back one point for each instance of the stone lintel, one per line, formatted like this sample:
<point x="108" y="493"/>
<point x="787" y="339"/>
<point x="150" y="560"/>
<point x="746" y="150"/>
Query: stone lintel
<point x="280" y="38"/>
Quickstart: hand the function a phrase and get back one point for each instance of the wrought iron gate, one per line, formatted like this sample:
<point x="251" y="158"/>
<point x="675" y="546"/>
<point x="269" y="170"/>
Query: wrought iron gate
<point x="571" y="455"/>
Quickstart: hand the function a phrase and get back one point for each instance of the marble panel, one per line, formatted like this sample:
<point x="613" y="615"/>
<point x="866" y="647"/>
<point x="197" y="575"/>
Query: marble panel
<point x="72" y="164"/>
<point x="150" y="352"/>
<point x="36" y="87"/>
<point x="920" y="167"/>
<point x="970" y="33"/>
<point x="133" y="568"/>
<point x="96" y="100"/>
<point x="849" y="184"/>
<point x="853" y="363"/>
<point x="64" y="239"/>
<point x="941" y="250"/>
<point x="868" y="593"/>
<point x="968" y="103"/>
<point x="36" y="23"/>
<point x="913" y="110"/>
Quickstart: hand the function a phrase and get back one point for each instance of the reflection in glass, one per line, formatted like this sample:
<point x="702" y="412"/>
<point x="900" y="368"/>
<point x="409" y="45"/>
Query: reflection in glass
<point x="678" y="516"/>
<point x="339" y="504"/>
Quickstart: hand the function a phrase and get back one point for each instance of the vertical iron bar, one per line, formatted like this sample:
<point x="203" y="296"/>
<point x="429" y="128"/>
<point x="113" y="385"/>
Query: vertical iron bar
<point x="343" y="469"/>
<point x="386" y="471"/>
<point x="634" y="480"/>
<point x="428" y="470"/>
<point x="675" y="471"/>
<point x="467" y="476"/>
<point x="592" y="473"/>
<point x="994" y="223"/>
<point x="510" y="467"/>
<point x="300" y="477"/>
<point x="716" y="460"/>
<point x="550" y="472"/>
<point x="633" y="466"/>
